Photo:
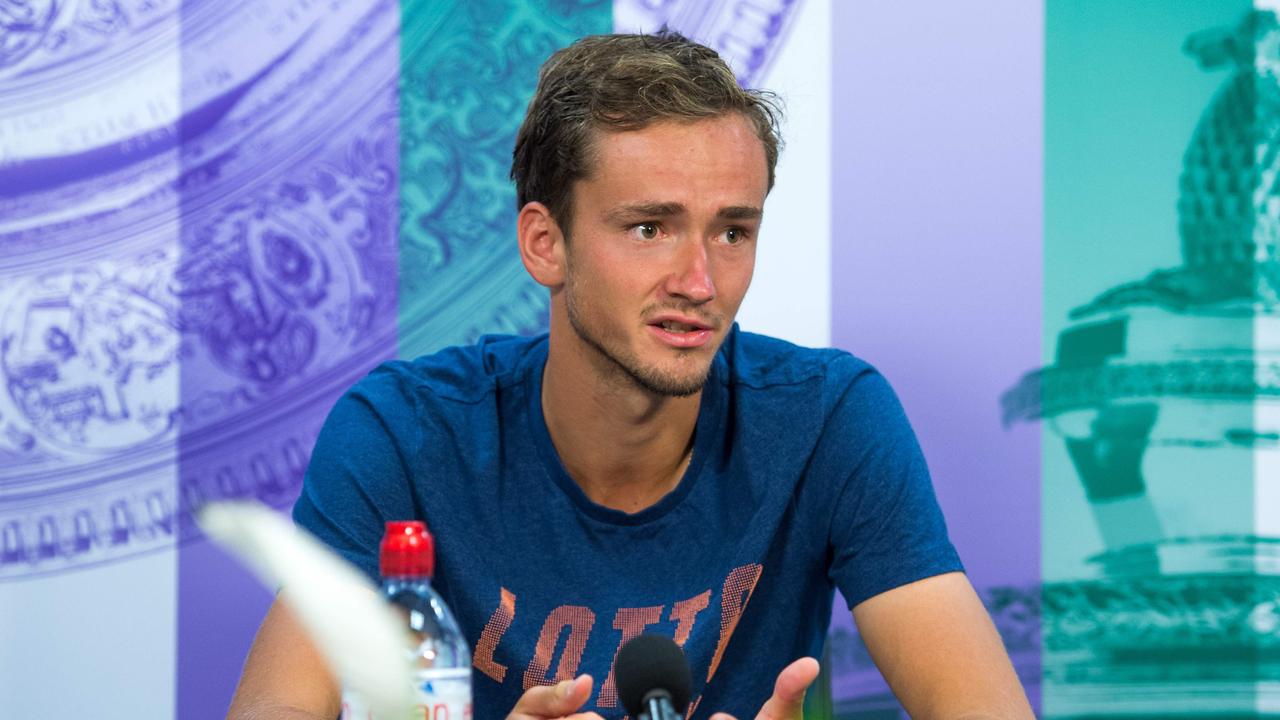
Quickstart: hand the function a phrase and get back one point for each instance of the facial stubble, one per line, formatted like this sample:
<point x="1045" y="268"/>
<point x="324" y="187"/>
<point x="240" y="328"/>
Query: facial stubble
<point x="624" y="364"/>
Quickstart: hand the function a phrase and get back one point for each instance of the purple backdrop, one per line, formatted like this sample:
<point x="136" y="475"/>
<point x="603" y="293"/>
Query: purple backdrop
<point x="936" y="252"/>
<point x="289" y="208"/>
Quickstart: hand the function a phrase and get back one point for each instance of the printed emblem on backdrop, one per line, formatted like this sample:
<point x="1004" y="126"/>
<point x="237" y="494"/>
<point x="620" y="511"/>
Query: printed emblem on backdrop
<point x="197" y="253"/>
<point x="205" y="239"/>
<point x="1163" y="391"/>
<point x="467" y="73"/>
<point x="748" y="34"/>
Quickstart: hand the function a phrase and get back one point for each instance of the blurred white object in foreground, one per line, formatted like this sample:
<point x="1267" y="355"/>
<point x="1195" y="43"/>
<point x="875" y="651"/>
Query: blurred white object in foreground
<point x="359" y="634"/>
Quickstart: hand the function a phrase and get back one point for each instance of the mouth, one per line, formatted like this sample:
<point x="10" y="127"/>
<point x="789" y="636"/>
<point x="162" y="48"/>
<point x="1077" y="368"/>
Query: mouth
<point x="681" y="332"/>
<point x="676" y="326"/>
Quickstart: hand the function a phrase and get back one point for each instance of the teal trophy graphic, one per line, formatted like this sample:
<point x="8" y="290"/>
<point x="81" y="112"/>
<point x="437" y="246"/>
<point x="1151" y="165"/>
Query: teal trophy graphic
<point x="1164" y="393"/>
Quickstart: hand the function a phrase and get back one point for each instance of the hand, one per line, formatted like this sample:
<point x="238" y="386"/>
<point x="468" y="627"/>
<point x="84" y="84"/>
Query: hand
<point x="555" y="702"/>
<point x="787" y="702"/>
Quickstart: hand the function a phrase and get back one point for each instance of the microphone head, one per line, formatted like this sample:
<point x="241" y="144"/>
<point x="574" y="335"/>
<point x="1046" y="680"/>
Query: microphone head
<point x="652" y="662"/>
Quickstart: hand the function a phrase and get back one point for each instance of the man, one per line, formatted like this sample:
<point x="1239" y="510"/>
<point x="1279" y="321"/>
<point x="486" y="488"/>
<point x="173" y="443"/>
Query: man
<point x="646" y="467"/>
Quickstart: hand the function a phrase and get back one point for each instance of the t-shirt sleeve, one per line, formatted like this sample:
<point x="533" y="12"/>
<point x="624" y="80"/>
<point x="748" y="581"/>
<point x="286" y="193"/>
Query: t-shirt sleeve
<point x="886" y="528"/>
<point x="358" y="475"/>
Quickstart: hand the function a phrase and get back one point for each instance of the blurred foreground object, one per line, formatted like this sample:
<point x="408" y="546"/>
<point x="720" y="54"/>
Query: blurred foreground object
<point x="360" y="635"/>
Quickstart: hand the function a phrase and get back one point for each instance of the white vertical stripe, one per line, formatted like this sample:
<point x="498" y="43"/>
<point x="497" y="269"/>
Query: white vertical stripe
<point x="91" y="643"/>
<point x="1266" y="455"/>
<point x="790" y="295"/>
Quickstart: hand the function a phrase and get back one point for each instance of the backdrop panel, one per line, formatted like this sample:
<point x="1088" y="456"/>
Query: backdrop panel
<point x="1157" y="392"/>
<point x="286" y="280"/>
<point x="467" y="73"/>
<point x="936" y="277"/>
<point x="90" y="94"/>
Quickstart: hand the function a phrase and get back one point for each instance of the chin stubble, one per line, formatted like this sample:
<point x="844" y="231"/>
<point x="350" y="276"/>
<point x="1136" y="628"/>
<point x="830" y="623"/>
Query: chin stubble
<point x="655" y="382"/>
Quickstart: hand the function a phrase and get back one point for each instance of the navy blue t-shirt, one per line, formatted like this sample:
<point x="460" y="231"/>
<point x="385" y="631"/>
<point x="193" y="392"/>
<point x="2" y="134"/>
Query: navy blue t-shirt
<point x="805" y="477"/>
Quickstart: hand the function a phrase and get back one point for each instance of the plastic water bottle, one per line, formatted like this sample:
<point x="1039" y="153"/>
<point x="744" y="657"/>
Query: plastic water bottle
<point x="441" y="658"/>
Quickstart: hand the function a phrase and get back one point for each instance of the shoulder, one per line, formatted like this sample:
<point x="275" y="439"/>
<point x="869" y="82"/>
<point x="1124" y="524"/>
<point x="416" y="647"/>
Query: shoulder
<point x="763" y="362"/>
<point x="465" y="374"/>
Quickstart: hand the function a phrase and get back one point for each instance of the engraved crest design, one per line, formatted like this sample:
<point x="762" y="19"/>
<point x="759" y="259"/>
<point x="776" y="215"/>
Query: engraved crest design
<point x="23" y="27"/>
<point x="90" y="356"/>
<point x="748" y="34"/>
<point x="196" y="262"/>
<point x="186" y="309"/>
<point x="467" y="73"/>
<point x="40" y="34"/>
<point x="257" y="277"/>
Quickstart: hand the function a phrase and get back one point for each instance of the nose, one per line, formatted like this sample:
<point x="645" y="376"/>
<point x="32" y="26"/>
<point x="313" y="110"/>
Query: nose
<point x="690" y="277"/>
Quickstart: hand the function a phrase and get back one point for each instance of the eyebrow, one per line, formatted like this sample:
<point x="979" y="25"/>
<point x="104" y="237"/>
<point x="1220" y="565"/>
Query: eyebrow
<point x="740" y="212"/>
<point x="643" y="210"/>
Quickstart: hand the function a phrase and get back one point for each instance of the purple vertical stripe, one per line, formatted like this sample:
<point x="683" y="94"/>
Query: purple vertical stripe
<point x="936" y="254"/>
<point x="289" y="213"/>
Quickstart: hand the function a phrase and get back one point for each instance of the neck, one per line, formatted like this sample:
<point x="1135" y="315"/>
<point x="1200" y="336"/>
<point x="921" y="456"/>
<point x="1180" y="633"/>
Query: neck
<point x="625" y="446"/>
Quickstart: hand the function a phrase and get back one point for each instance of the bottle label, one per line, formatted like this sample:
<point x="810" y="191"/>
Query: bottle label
<point x="440" y="695"/>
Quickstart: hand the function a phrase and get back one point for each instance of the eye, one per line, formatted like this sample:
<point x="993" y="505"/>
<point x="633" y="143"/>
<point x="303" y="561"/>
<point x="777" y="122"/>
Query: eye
<point x="734" y="236"/>
<point x="646" y="231"/>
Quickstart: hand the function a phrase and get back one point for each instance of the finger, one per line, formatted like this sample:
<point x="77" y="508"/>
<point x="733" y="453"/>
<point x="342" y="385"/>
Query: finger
<point x="787" y="702"/>
<point x="553" y="701"/>
<point x="722" y="716"/>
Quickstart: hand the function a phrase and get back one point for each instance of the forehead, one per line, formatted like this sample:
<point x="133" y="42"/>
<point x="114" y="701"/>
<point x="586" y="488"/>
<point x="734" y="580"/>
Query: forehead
<point x="715" y="160"/>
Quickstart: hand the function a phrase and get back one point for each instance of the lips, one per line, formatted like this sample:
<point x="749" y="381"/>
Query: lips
<point x="679" y="327"/>
<point x="680" y="332"/>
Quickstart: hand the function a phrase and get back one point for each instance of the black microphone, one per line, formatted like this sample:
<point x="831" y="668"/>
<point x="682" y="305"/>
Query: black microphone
<point x="653" y="678"/>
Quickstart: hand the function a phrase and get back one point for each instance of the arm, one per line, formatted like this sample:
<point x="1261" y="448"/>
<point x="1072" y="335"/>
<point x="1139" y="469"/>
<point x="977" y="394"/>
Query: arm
<point x="285" y="677"/>
<point x="925" y="627"/>
<point x="936" y="646"/>
<point x="355" y="481"/>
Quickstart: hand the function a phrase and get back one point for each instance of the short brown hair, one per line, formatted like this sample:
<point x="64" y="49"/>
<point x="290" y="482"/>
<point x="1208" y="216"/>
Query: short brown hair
<point x="617" y="83"/>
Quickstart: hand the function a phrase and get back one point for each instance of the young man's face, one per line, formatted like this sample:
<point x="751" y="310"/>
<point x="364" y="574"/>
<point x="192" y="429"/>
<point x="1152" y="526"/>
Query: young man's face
<point x="662" y="247"/>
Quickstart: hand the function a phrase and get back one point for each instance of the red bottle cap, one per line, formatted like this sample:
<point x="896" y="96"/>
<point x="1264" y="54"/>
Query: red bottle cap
<point x="407" y="550"/>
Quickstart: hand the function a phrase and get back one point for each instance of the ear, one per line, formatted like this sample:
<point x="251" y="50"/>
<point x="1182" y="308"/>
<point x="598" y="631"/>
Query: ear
<point x="541" y="245"/>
